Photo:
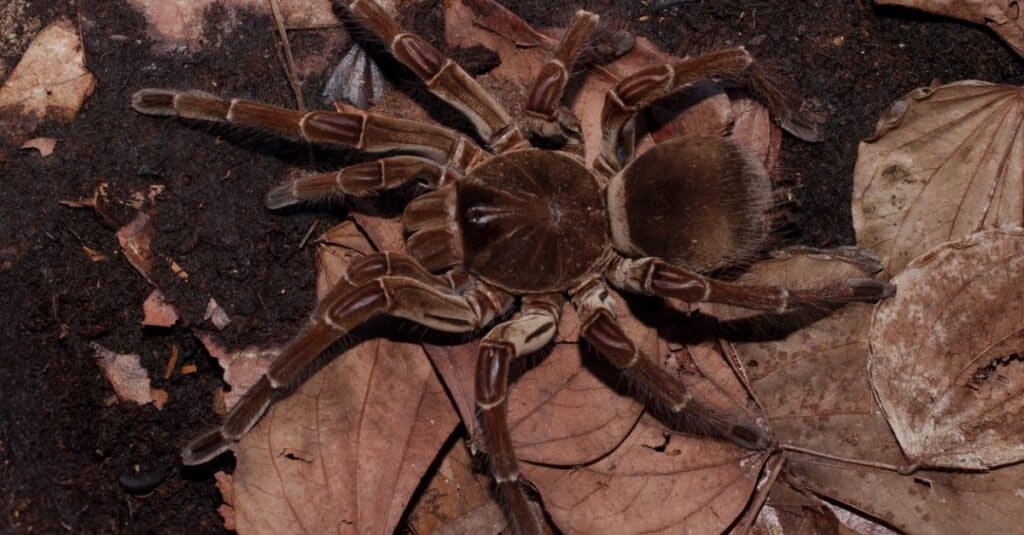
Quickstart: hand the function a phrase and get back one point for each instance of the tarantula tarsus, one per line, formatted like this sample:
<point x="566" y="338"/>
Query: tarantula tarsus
<point x="537" y="226"/>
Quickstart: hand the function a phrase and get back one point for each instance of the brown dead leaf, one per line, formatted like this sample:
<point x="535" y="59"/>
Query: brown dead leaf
<point x="227" y="495"/>
<point x="789" y="512"/>
<point x="944" y="162"/>
<point x="1002" y="16"/>
<point x="455" y="500"/>
<point x="135" y="238"/>
<point x="216" y="315"/>
<point x="656" y="481"/>
<point x="812" y="381"/>
<point x="50" y="80"/>
<point x="945" y="354"/>
<point x="127" y="377"/>
<point x="176" y="22"/>
<point x="44" y="145"/>
<point x="157" y="312"/>
<point x="345" y="452"/>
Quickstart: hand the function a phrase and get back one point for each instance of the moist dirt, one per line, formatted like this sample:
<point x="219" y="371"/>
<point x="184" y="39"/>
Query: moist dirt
<point x="72" y="461"/>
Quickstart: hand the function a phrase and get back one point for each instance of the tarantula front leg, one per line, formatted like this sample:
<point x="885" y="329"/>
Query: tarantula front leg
<point x="641" y="88"/>
<point x="530" y="331"/>
<point x="542" y="102"/>
<point x="417" y="296"/>
<point x="684" y="398"/>
<point x="443" y="77"/>
<point x="653" y="276"/>
<point x="350" y="127"/>
<point x="362" y="179"/>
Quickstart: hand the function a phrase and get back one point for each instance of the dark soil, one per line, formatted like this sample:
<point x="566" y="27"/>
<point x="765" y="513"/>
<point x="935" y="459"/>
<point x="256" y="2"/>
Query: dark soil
<point x="64" y="447"/>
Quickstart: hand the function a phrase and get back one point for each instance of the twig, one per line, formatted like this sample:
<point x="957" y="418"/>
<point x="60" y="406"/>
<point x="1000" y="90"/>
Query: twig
<point x="308" y="233"/>
<point x="905" y="470"/>
<point x="289" y="65"/>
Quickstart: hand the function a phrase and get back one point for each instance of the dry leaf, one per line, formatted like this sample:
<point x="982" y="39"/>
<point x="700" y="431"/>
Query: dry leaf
<point x="157" y="312"/>
<point x="216" y="315"/>
<point x="227" y="495"/>
<point x="345" y="452"/>
<point x="127" y="377"/>
<point x="1003" y="16"/>
<point x="789" y="512"/>
<point x="44" y="145"/>
<point x="946" y="353"/>
<point x="135" y="238"/>
<point x="455" y="500"/>
<point x="176" y="22"/>
<point x="656" y="481"/>
<point x="944" y="162"/>
<point x="50" y="80"/>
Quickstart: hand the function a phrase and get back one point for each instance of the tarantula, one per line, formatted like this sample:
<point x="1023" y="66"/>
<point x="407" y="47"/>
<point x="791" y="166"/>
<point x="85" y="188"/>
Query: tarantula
<point x="508" y="222"/>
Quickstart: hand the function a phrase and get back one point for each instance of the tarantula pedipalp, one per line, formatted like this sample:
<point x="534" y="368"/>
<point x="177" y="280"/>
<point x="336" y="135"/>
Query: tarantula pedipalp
<point x="535" y="224"/>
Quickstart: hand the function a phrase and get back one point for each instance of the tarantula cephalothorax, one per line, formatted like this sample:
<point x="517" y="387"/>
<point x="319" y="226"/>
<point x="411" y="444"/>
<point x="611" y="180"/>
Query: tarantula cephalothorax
<point x="529" y="223"/>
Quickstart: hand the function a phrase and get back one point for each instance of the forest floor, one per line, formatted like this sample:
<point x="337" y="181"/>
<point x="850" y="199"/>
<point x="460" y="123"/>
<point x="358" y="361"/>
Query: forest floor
<point x="64" y="446"/>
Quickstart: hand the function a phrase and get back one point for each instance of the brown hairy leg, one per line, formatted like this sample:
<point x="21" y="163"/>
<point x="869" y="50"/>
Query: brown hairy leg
<point x="675" y="398"/>
<point x="411" y="293"/>
<point x="653" y="276"/>
<point x="443" y="77"/>
<point x="641" y="88"/>
<point x="349" y="127"/>
<point x="528" y="332"/>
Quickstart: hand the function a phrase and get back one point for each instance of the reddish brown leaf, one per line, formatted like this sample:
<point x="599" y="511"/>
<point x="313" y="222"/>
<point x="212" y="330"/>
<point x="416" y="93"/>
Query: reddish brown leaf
<point x="946" y="353"/>
<point x="944" y="162"/>
<point x="157" y="312"/>
<point x="134" y="239"/>
<point x="656" y="481"/>
<point x="345" y="452"/>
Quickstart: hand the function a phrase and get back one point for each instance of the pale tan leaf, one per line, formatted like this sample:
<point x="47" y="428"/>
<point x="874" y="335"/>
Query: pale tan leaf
<point x="1002" y="16"/>
<point x="157" y="312"/>
<point x="50" y="80"/>
<point x="655" y="482"/>
<point x="944" y="162"/>
<point x="946" y="353"/>
<point x="44" y="145"/>
<point x="127" y="377"/>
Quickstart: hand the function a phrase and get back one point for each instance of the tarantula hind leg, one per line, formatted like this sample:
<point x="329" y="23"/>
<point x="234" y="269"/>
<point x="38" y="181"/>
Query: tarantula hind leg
<point x="411" y="296"/>
<point x="527" y="333"/>
<point x="688" y="401"/>
<point x="653" y="276"/>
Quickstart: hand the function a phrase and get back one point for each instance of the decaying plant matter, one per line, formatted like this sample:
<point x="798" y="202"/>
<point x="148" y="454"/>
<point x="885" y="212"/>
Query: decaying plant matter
<point x="511" y="231"/>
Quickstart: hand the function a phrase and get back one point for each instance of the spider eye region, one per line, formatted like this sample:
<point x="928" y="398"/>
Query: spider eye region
<point x="531" y="221"/>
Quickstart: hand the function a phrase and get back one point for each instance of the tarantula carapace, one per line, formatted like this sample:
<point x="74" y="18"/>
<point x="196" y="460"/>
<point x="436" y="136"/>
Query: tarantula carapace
<point x="509" y="225"/>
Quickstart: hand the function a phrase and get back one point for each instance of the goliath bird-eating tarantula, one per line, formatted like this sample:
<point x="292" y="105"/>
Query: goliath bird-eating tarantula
<point x="508" y="224"/>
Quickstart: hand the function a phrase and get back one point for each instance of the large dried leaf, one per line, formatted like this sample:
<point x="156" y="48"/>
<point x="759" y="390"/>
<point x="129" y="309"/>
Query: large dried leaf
<point x="50" y="81"/>
<point x="804" y="365"/>
<point x="811" y="378"/>
<point x="655" y="482"/>
<point x="946" y="352"/>
<point x="1003" y="16"/>
<point x="565" y="410"/>
<point x="345" y="452"/>
<point x="944" y="162"/>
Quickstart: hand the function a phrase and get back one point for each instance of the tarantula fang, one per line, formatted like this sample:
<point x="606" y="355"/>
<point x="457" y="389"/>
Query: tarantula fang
<point x="508" y="221"/>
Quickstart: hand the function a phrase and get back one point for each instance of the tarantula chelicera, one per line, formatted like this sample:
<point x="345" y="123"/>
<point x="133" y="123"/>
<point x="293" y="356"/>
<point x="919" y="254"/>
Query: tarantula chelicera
<point x="509" y="224"/>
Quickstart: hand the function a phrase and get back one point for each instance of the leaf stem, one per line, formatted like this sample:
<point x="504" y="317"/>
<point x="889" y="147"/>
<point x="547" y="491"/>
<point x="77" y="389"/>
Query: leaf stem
<point x="905" y="469"/>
